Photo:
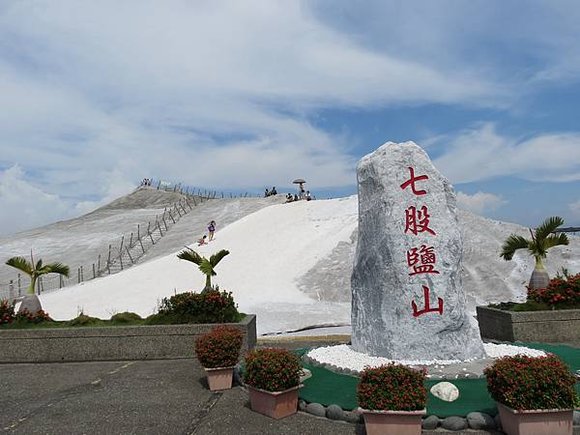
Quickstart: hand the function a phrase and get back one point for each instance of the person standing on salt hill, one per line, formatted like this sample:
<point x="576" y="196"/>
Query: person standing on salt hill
<point x="211" y="230"/>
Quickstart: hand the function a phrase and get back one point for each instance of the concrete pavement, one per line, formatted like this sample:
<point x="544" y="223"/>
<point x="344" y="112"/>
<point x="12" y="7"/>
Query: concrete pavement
<point x="136" y="397"/>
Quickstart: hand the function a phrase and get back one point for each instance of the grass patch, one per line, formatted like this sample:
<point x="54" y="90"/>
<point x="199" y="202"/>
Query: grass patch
<point x="120" y="319"/>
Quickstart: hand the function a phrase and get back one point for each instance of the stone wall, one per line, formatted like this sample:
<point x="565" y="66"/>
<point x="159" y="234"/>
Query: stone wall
<point x="556" y="326"/>
<point x="110" y="343"/>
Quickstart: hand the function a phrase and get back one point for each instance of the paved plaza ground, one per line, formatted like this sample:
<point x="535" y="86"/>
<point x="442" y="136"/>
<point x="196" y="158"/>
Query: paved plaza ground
<point x="141" y="397"/>
<point x="136" y="397"/>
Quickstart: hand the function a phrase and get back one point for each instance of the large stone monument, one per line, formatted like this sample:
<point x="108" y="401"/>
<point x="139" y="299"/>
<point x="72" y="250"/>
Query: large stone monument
<point x="407" y="298"/>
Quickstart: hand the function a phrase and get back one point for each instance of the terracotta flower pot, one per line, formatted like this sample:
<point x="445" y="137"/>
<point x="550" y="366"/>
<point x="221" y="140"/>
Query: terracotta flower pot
<point x="219" y="378"/>
<point x="277" y="404"/>
<point x="536" y="422"/>
<point x="393" y="422"/>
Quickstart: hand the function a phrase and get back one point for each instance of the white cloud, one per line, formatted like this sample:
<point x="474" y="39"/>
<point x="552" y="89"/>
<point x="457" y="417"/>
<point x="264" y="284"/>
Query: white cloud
<point x="25" y="205"/>
<point x="481" y="153"/>
<point x="213" y="94"/>
<point x="480" y="202"/>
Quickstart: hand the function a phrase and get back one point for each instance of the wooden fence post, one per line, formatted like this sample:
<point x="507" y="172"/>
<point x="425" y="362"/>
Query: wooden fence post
<point x="139" y="238"/>
<point x="149" y="232"/>
<point x="129" y="254"/>
<point x="94" y="271"/>
<point x="109" y="260"/>
<point x="60" y="281"/>
<point x="121" y="252"/>
<point x="19" y="286"/>
<point x="169" y="211"/>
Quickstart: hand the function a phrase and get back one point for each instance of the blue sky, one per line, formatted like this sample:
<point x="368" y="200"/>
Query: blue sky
<point x="244" y="95"/>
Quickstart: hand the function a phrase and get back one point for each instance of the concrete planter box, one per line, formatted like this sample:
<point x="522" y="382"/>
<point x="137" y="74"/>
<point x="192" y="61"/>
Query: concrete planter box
<point x="114" y="343"/>
<point x="556" y="326"/>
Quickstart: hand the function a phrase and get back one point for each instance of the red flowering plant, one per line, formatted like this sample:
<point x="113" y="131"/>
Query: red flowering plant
<point x="272" y="369"/>
<point x="527" y="383"/>
<point x="392" y="387"/>
<point x="562" y="291"/>
<point x="6" y="311"/>
<point x="220" y="347"/>
<point x="38" y="317"/>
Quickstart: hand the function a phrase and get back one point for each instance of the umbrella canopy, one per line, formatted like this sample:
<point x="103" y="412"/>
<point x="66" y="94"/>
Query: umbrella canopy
<point x="298" y="181"/>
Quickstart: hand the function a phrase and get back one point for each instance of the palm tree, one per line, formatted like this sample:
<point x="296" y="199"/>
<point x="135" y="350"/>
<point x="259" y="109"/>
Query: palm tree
<point x="36" y="270"/>
<point x="31" y="302"/>
<point x="542" y="240"/>
<point x="205" y="266"/>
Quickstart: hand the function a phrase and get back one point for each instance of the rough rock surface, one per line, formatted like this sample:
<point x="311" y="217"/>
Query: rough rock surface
<point x="316" y="409"/>
<point x="480" y="420"/>
<point x="430" y="423"/>
<point x="334" y="412"/>
<point x="454" y="423"/>
<point x="407" y="297"/>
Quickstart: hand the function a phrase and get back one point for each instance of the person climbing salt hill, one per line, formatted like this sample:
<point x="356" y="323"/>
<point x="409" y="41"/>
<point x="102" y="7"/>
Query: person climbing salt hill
<point x="211" y="230"/>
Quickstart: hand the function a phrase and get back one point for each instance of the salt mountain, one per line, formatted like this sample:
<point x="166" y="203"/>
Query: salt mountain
<point x="290" y="263"/>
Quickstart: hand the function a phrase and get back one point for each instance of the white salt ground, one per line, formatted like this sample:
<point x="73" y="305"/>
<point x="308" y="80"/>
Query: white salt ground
<point x="344" y="357"/>
<point x="290" y="264"/>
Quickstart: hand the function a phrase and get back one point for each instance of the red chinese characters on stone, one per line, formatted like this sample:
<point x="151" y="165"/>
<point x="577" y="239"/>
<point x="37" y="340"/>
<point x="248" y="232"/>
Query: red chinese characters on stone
<point x="427" y="308"/>
<point x="417" y="221"/>
<point x="422" y="260"/>
<point x="411" y="182"/>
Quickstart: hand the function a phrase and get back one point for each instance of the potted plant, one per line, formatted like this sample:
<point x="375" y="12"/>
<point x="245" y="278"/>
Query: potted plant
<point x="272" y="376"/>
<point x="393" y="398"/>
<point x="534" y="395"/>
<point x="218" y="351"/>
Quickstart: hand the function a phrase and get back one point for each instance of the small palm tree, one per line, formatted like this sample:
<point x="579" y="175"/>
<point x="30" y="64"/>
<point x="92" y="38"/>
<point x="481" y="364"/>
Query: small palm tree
<point x="205" y="266"/>
<point x="36" y="270"/>
<point x="542" y="240"/>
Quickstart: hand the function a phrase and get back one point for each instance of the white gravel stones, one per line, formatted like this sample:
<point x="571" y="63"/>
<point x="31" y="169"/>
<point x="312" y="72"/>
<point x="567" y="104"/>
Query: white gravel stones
<point x="345" y="357"/>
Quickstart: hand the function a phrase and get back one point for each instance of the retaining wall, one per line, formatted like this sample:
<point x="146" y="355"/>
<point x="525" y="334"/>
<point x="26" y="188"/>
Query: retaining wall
<point x="114" y="343"/>
<point x="557" y="326"/>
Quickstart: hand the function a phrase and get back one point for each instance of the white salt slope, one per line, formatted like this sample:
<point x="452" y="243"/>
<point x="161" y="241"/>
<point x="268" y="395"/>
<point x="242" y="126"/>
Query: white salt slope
<point x="269" y="250"/>
<point x="291" y="265"/>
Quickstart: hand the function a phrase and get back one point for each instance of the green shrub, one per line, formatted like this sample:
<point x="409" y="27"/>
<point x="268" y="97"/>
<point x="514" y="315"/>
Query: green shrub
<point x="527" y="383"/>
<point x="84" y="320"/>
<point x="392" y="387"/>
<point x="208" y="306"/>
<point x="272" y="369"/>
<point x="6" y="312"/>
<point x="220" y="347"/>
<point x="126" y="317"/>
